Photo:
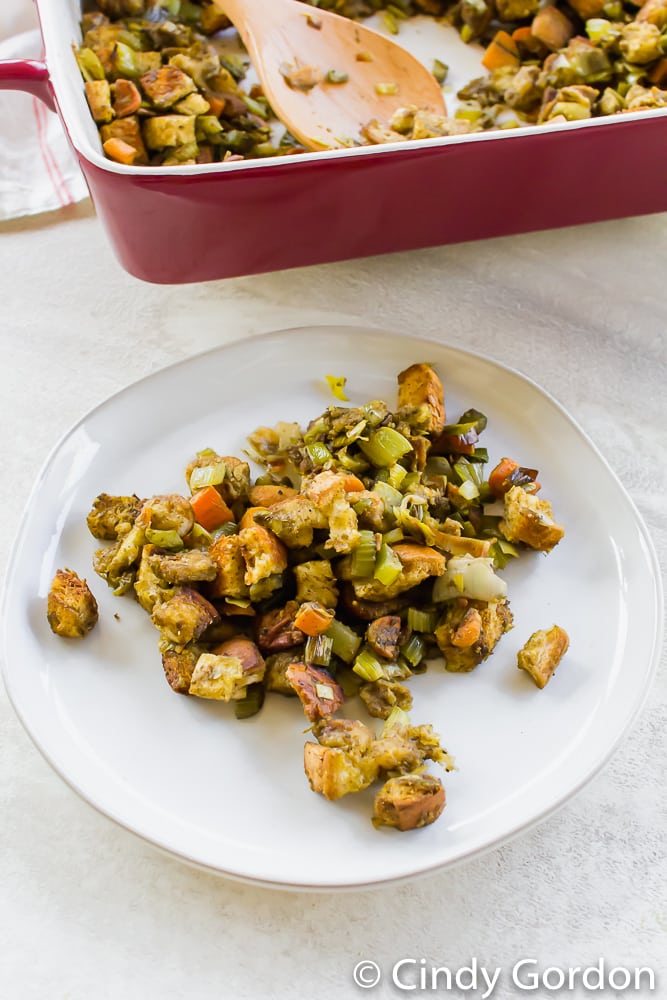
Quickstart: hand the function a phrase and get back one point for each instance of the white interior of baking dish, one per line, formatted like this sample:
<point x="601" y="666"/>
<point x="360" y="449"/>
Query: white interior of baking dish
<point x="425" y="37"/>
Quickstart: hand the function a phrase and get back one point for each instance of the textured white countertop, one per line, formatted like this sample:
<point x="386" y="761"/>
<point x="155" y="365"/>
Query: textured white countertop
<point x="87" y="911"/>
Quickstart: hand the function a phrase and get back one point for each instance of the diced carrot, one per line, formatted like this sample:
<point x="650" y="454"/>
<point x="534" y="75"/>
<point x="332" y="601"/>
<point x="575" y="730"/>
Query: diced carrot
<point x="523" y="34"/>
<point x="209" y="508"/>
<point x="502" y="51"/>
<point x="217" y="104"/>
<point x="498" y="476"/>
<point x="501" y="479"/>
<point x="120" y="151"/>
<point x="353" y="484"/>
<point x="552" y="28"/>
<point x="313" y="619"/>
<point x="658" y="74"/>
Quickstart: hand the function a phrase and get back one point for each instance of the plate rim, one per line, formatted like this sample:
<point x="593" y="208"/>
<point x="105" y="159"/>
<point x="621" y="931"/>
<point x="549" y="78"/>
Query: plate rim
<point x="467" y="855"/>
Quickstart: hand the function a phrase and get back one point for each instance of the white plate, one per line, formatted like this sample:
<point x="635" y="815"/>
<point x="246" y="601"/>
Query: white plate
<point x="231" y="796"/>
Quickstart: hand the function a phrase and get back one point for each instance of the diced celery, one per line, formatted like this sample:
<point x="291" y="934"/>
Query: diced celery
<point x="251" y="703"/>
<point x="207" y="475"/>
<point x="388" y="566"/>
<point x="413" y="650"/>
<point x="398" y="718"/>
<point x="169" y="539"/>
<point x="318" y="454"/>
<point x="345" y="641"/>
<point x="397" y="474"/>
<point x="89" y="63"/>
<point x="468" y="490"/>
<point x="318" y="650"/>
<point x="395" y="535"/>
<point x="422" y="621"/>
<point x="388" y="494"/>
<point x="367" y="666"/>
<point x="363" y="557"/>
<point x="385" y="446"/>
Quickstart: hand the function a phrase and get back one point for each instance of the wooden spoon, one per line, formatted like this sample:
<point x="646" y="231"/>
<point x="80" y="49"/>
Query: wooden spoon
<point x="292" y="44"/>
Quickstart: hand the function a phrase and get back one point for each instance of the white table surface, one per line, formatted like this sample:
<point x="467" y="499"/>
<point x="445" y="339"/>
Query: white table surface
<point x="89" y="912"/>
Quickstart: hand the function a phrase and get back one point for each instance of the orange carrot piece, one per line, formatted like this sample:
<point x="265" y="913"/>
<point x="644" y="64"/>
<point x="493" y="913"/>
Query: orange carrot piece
<point x="502" y="51"/>
<point x="353" y="484"/>
<point x="210" y="509"/>
<point x="217" y="104"/>
<point x="523" y="34"/>
<point x="120" y="151"/>
<point x="658" y="74"/>
<point x="498" y="476"/>
<point x="313" y="619"/>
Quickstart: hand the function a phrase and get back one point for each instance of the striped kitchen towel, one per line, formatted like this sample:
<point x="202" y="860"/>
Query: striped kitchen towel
<point x="38" y="171"/>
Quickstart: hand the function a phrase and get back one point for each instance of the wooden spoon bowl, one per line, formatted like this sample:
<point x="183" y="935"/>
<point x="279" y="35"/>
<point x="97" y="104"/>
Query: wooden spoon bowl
<point x="295" y="47"/>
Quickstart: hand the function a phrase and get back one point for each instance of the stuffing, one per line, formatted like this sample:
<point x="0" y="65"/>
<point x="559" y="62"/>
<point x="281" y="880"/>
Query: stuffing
<point x="542" y="653"/>
<point x="184" y="616"/>
<point x="458" y="624"/>
<point x="112" y="517"/>
<point x="71" y="608"/>
<point x="409" y="801"/>
<point x="530" y="520"/>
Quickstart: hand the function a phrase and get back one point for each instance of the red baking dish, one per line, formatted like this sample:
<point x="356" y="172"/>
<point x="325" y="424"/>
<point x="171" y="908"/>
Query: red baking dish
<point x="196" y="223"/>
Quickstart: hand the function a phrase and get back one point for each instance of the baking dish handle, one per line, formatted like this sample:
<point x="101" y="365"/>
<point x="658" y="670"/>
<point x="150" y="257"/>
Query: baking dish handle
<point x="30" y="76"/>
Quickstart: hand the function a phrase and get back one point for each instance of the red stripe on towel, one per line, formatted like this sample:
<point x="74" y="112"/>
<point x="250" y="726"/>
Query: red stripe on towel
<point x="59" y="184"/>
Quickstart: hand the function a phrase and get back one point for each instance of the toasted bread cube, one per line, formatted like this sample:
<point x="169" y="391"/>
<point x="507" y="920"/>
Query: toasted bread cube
<point x="409" y="801"/>
<point x="184" y="616"/>
<point x="230" y="578"/>
<point x="542" y="654"/>
<point x="421" y="398"/>
<point x="169" y="130"/>
<point x="343" y="526"/>
<point x="112" y="516"/>
<point x="315" y="581"/>
<point x="334" y="773"/>
<point x="224" y="674"/>
<point x="263" y="553"/>
<point x="179" y="665"/>
<point x="168" y="512"/>
<point x="98" y="95"/>
<point x="294" y="519"/>
<point x="529" y="520"/>
<point x="71" y="608"/>
<point x="167" y="86"/>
